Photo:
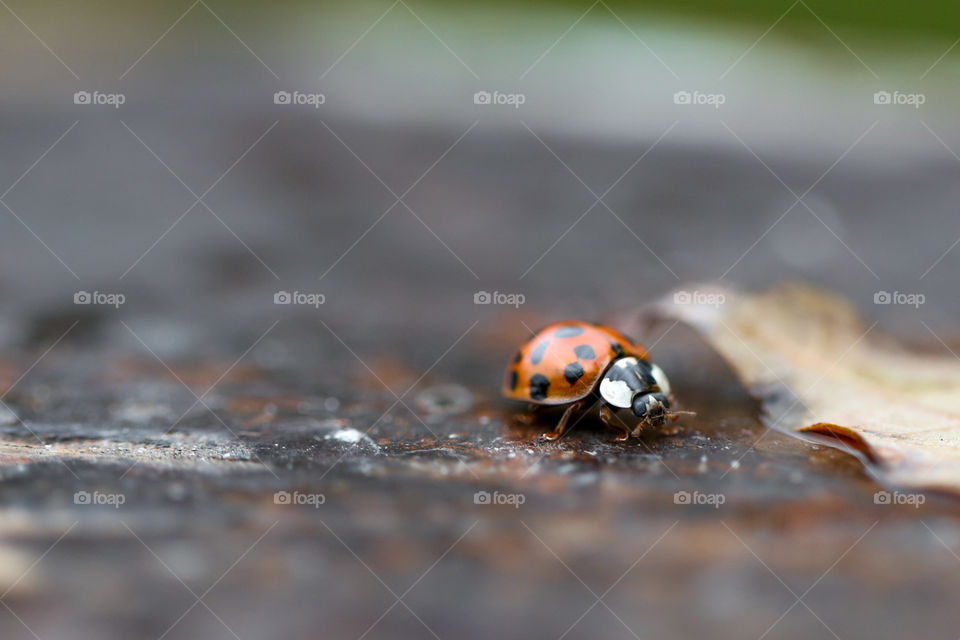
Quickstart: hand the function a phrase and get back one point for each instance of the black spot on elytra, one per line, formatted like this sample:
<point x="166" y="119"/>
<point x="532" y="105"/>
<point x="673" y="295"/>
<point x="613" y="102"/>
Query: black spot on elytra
<point x="617" y="349"/>
<point x="568" y="332"/>
<point x="513" y="380"/>
<point x="584" y="352"/>
<point x="538" y="386"/>
<point x="537" y="354"/>
<point x="573" y="372"/>
<point x="519" y="356"/>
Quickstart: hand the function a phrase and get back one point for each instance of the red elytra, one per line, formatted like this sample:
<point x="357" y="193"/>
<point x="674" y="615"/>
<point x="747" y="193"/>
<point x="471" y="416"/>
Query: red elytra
<point x="544" y="369"/>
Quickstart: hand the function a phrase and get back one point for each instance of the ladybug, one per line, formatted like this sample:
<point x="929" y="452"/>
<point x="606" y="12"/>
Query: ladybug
<point x="567" y="361"/>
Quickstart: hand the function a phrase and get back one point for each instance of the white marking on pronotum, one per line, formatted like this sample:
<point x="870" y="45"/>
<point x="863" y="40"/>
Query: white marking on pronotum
<point x="619" y="394"/>
<point x="661" y="379"/>
<point x="616" y="392"/>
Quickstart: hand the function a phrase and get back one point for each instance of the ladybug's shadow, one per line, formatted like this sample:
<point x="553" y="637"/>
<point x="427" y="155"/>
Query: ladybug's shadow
<point x="585" y="426"/>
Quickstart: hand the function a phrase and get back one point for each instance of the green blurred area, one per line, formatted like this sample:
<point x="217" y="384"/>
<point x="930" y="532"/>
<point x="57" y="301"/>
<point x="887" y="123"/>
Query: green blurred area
<point x="876" y="19"/>
<point x="918" y="19"/>
<point x="919" y="25"/>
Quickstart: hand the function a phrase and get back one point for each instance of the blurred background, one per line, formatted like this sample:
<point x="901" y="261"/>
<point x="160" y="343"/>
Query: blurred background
<point x="336" y="193"/>
<point x="586" y="101"/>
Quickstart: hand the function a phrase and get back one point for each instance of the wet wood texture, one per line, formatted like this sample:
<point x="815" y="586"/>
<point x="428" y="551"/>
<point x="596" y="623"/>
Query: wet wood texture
<point x="379" y="501"/>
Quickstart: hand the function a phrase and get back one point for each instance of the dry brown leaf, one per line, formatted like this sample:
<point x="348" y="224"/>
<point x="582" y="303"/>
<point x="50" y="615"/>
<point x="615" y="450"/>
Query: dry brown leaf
<point x="822" y="372"/>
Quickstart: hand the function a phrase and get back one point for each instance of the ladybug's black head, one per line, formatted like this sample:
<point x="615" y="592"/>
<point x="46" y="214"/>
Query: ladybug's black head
<point x="651" y="408"/>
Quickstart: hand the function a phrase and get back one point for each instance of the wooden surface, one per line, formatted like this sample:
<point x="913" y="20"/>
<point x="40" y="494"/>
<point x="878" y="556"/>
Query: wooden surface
<point x="399" y="516"/>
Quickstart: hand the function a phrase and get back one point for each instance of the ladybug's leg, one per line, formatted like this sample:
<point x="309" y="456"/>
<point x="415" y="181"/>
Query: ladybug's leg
<point x="674" y="415"/>
<point x="564" y="420"/>
<point x="611" y="420"/>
